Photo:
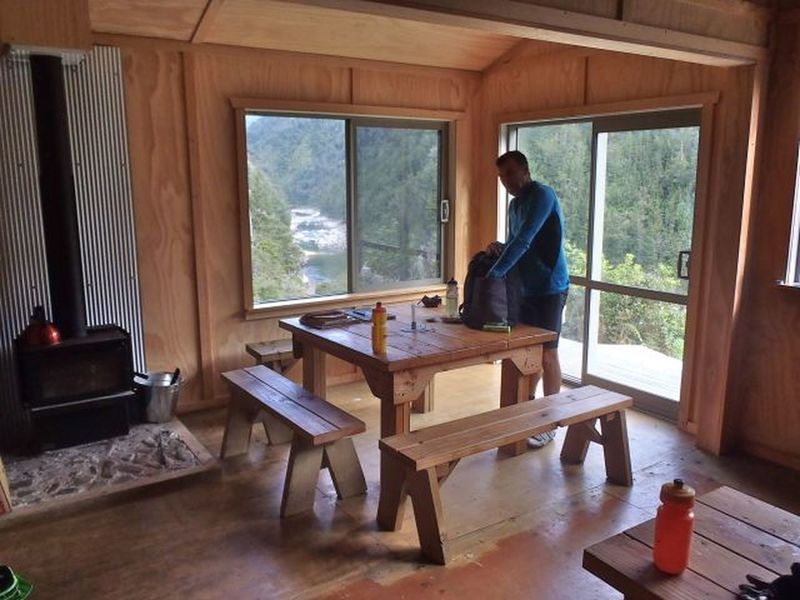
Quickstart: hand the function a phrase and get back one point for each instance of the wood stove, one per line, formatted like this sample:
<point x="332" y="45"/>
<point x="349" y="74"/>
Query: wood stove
<point x="80" y="389"/>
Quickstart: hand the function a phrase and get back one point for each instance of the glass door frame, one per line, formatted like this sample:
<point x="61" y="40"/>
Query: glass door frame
<point x="657" y="118"/>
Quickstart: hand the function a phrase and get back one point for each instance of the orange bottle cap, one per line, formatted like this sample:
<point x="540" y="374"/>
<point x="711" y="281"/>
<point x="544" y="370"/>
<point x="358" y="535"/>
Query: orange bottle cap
<point x="677" y="492"/>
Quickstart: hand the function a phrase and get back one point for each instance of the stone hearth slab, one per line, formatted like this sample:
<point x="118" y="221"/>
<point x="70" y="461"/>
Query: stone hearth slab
<point x="150" y="453"/>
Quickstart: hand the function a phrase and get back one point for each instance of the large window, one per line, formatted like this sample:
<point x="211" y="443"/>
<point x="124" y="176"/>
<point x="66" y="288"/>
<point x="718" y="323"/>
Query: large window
<point x="341" y="205"/>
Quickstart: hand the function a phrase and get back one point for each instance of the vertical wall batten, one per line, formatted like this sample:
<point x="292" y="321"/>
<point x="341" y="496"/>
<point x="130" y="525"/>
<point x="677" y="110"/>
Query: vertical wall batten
<point x="99" y="145"/>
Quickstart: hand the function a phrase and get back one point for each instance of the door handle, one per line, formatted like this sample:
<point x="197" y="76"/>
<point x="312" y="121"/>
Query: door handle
<point x="684" y="256"/>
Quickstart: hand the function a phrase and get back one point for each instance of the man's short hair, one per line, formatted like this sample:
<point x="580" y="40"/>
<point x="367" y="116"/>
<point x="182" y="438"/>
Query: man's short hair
<point x="513" y="155"/>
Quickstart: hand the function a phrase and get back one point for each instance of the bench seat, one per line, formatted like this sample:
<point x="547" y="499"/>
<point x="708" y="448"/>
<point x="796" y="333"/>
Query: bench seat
<point x="278" y="355"/>
<point x="421" y="460"/>
<point x="319" y="433"/>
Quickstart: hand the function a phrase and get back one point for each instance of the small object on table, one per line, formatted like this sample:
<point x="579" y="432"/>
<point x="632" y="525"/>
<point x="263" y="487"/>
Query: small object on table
<point x="413" y="317"/>
<point x="674" y="525"/>
<point x="431" y="301"/>
<point x="498" y="327"/>
<point x="785" y="587"/>
<point x="379" y="329"/>
<point x="325" y="319"/>
<point x="364" y="314"/>
<point x="452" y="298"/>
<point x="451" y="319"/>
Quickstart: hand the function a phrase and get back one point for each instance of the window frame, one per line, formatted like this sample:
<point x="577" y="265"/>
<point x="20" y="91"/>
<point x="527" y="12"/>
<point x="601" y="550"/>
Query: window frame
<point x="366" y="115"/>
<point x="792" y="275"/>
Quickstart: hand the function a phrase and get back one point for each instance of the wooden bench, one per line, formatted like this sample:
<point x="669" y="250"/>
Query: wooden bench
<point x="318" y="430"/>
<point x="420" y="461"/>
<point x="275" y="354"/>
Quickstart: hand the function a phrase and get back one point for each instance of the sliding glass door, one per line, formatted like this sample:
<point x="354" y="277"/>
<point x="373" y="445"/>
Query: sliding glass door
<point x="627" y="185"/>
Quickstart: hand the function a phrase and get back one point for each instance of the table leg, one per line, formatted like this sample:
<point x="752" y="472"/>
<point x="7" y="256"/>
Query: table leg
<point x="395" y="418"/>
<point x="515" y="387"/>
<point x="424" y="403"/>
<point x="314" y="370"/>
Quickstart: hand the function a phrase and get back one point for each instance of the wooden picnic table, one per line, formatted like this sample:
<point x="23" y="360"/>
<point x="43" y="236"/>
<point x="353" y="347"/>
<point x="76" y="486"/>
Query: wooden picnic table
<point x="734" y="535"/>
<point x="399" y="377"/>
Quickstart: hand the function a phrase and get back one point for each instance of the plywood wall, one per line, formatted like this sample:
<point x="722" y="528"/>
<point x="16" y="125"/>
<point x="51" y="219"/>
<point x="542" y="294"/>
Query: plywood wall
<point x="185" y="185"/>
<point x="162" y="205"/>
<point x="534" y="79"/>
<point x="766" y="407"/>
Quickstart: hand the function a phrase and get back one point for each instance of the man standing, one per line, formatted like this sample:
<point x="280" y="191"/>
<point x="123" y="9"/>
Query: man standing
<point x="535" y="248"/>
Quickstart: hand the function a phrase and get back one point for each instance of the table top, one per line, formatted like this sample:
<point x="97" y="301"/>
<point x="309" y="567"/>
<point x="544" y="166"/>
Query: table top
<point x="734" y="535"/>
<point x="406" y="349"/>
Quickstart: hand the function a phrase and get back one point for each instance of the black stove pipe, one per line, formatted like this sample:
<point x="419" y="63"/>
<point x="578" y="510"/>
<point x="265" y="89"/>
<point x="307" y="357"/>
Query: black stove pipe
<point x="57" y="191"/>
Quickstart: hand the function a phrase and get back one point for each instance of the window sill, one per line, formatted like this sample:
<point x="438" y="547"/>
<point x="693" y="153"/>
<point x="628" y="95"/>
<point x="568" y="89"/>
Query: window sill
<point x="293" y="308"/>
<point x="788" y="285"/>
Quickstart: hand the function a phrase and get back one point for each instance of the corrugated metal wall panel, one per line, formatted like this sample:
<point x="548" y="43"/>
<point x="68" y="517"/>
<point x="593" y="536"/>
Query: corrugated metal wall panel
<point x="105" y="211"/>
<point x="95" y="100"/>
<point x="23" y="270"/>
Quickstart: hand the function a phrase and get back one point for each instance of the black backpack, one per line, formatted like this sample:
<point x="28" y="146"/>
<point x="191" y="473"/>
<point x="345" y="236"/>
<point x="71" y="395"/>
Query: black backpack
<point x="489" y="300"/>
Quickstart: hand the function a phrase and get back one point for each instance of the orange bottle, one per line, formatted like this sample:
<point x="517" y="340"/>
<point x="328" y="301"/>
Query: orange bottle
<point x="674" y="526"/>
<point x="379" y="329"/>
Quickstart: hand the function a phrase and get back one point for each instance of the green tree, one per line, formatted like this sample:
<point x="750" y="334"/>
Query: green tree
<point x="397" y="198"/>
<point x="276" y="258"/>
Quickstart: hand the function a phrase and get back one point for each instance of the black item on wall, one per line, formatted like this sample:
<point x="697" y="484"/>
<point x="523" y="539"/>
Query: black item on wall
<point x="57" y="192"/>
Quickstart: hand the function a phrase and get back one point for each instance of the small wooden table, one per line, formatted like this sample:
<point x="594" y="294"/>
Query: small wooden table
<point x="399" y="377"/>
<point x="734" y="535"/>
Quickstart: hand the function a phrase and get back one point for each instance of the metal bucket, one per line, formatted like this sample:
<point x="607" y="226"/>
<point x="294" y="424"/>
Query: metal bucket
<point x="159" y="396"/>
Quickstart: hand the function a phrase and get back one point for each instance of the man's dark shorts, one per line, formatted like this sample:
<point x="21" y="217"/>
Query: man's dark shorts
<point x="546" y="312"/>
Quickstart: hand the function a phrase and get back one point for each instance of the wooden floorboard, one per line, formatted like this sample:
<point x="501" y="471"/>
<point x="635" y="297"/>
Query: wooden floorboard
<point x="518" y="525"/>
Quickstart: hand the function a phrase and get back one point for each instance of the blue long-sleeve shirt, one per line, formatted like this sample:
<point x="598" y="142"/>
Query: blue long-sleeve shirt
<point x="536" y="242"/>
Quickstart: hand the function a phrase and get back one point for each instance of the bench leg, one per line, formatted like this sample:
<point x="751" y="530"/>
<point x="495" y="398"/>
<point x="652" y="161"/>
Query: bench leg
<point x="277" y="432"/>
<point x="342" y="461"/>
<point x="615" y="448"/>
<point x="302" y="474"/>
<point x="576" y="443"/>
<point x="423" y="487"/>
<point x="392" y="502"/>
<point x="238" y="429"/>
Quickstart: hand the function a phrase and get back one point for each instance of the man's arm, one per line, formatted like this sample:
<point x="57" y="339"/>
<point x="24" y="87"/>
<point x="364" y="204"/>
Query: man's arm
<point x="519" y="244"/>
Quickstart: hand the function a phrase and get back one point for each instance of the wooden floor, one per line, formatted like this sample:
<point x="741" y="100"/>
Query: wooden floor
<point x="519" y="524"/>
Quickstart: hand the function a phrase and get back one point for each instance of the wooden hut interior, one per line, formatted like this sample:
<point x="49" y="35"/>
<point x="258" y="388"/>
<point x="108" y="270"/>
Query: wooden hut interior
<point x="202" y="202"/>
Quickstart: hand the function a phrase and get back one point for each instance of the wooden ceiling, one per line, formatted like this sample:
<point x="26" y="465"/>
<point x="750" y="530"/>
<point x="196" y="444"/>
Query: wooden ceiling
<point x="462" y="34"/>
<point x="294" y="27"/>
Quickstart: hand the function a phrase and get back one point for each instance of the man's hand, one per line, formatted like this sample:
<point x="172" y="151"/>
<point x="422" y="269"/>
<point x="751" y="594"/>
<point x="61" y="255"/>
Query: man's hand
<point x="495" y="249"/>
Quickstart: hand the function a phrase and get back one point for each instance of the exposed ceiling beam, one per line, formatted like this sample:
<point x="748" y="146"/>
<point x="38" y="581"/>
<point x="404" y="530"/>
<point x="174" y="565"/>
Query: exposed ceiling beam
<point x="284" y="56"/>
<point x="206" y="20"/>
<point x="526" y="20"/>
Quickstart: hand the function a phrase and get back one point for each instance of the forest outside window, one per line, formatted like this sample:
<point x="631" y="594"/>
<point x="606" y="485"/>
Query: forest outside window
<point x="339" y="205"/>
